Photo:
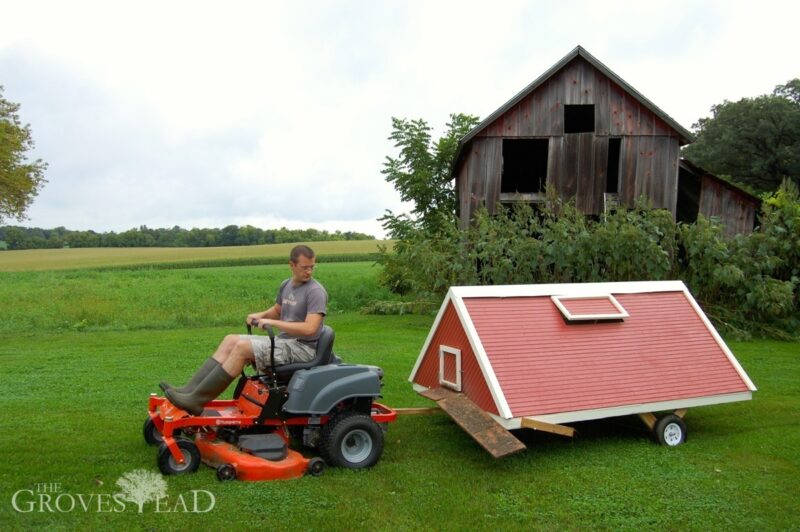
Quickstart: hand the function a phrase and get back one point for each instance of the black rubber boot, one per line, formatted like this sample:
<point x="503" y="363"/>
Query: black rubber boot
<point x="196" y="379"/>
<point x="214" y="384"/>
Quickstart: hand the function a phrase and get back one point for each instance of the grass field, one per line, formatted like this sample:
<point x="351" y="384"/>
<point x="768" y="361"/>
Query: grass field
<point x="73" y="399"/>
<point x="93" y="300"/>
<point x="64" y="259"/>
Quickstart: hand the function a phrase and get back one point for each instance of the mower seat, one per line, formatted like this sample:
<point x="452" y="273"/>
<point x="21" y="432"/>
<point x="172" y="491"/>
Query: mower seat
<point x="323" y="356"/>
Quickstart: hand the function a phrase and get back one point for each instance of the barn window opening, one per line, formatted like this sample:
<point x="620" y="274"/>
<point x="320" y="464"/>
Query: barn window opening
<point x="688" y="196"/>
<point x="578" y="118"/>
<point x="524" y="166"/>
<point x="612" y="168"/>
<point x="590" y="308"/>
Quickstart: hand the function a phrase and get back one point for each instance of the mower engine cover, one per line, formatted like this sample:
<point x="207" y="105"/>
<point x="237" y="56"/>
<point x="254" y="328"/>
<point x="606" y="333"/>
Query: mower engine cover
<point x="318" y="390"/>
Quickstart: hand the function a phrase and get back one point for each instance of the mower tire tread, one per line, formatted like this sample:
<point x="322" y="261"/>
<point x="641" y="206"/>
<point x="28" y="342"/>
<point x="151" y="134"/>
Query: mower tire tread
<point x="351" y="440"/>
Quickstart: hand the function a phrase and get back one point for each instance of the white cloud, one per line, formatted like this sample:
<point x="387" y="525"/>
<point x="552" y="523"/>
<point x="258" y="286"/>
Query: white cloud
<point x="203" y="113"/>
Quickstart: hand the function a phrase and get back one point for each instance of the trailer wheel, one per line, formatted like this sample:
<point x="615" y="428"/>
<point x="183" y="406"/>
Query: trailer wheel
<point x="670" y="430"/>
<point x="352" y="440"/>
<point x="150" y="432"/>
<point x="191" y="458"/>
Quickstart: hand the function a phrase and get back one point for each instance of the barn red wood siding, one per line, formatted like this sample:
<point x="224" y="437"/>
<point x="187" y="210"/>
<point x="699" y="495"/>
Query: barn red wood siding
<point x="545" y="365"/>
<point x="451" y="333"/>
<point x="577" y="162"/>
<point x="734" y="209"/>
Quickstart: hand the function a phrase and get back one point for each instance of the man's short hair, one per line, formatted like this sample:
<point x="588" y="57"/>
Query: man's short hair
<point x="301" y="250"/>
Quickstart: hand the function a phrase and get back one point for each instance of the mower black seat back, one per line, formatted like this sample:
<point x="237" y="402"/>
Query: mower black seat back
<point x="323" y="356"/>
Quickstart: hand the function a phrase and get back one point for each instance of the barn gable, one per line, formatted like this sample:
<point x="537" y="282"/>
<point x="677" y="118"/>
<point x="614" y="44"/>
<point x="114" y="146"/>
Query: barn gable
<point x="578" y="78"/>
<point x="579" y="129"/>
<point x="549" y="352"/>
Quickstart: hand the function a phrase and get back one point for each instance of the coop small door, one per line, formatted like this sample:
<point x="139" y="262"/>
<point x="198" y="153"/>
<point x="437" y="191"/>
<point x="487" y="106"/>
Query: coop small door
<point x="450" y="367"/>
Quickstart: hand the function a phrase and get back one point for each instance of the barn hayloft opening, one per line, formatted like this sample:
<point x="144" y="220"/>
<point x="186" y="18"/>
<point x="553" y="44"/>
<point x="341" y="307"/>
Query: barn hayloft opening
<point x="524" y="166"/>
<point x="578" y="118"/>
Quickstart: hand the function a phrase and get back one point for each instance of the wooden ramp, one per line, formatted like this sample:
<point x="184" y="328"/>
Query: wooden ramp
<point x="477" y="423"/>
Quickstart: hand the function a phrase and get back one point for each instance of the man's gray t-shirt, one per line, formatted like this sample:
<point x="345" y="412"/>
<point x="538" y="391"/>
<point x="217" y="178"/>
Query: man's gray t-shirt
<point x="298" y="301"/>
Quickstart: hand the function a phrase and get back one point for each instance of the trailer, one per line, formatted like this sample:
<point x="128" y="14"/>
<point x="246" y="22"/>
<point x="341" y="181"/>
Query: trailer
<point x="499" y="358"/>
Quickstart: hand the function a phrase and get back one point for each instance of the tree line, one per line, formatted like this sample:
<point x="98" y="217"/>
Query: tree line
<point x="16" y="237"/>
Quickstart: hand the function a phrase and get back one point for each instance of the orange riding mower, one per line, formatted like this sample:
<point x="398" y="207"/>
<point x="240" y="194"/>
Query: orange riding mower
<point x="323" y="403"/>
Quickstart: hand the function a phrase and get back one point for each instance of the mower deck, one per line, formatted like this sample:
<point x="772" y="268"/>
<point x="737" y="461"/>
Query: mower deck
<point x="216" y="453"/>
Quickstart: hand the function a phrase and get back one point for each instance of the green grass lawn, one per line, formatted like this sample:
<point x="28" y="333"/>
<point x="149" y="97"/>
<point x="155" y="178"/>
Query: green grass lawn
<point x="81" y="350"/>
<point x="73" y="404"/>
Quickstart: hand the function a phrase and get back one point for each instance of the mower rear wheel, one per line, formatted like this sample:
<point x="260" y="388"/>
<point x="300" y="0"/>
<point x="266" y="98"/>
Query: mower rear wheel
<point x="352" y="440"/>
<point x="151" y="434"/>
<point x="191" y="458"/>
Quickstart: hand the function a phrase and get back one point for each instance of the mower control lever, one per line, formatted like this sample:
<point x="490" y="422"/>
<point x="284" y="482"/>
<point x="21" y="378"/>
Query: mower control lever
<point x="271" y="334"/>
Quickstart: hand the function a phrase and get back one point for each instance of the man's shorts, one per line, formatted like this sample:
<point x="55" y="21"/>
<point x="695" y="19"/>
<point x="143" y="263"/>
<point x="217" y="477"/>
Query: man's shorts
<point x="287" y="351"/>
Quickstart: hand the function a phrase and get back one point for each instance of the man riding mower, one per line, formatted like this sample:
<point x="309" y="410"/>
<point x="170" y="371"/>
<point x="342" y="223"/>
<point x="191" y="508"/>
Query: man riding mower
<point x="322" y="403"/>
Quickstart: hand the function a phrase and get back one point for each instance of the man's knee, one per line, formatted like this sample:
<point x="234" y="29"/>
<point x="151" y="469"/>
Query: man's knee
<point x="243" y="349"/>
<point x="231" y="340"/>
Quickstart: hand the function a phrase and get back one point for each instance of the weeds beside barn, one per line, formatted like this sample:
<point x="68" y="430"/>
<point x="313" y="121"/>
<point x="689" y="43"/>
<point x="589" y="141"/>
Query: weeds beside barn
<point x="749" y="284"/>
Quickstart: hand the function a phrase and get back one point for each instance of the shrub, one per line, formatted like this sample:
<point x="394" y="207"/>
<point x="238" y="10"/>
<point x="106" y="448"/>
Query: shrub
<point x="747" y="283"/>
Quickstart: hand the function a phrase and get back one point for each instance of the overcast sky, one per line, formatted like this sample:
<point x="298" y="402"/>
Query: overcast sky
<point x="206" y="114"/>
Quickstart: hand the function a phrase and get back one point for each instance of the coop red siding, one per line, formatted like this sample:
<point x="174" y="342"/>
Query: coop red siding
<point x="545" y="365"/>
<point x="451" y="333"/>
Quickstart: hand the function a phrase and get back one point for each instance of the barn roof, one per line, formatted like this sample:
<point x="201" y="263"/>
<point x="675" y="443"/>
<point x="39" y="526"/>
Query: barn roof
<point x="684" y="134"/>
<point x="695" y="170"/>
<point x="567" y="352"/>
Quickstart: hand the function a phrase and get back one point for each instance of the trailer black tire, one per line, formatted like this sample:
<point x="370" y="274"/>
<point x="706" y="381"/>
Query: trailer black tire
<point x="191" y="456"/>
<point x="670" y="430"/>
<point x="351" y="440"/>
<point x="150" y="432"/>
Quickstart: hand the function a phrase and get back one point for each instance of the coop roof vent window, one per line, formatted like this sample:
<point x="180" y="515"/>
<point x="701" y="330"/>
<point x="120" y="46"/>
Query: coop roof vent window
<point x="590" y="308"/>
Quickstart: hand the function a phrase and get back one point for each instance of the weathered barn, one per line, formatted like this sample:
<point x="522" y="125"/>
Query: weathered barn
<point x="580" y="129"/>
<point x="561" y="353"/>
<point x="700" y="192"/>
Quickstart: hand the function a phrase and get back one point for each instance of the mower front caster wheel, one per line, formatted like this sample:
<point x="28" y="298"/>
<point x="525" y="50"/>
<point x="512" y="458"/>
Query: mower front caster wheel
<point x="150" y="432"/>
<point x="191" y="458"/>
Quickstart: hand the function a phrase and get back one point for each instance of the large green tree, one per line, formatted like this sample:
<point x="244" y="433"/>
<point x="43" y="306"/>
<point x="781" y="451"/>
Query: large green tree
<point x="421" y="173"/>
<point x="20" y="179"/>
<point x="755" y="141"/>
